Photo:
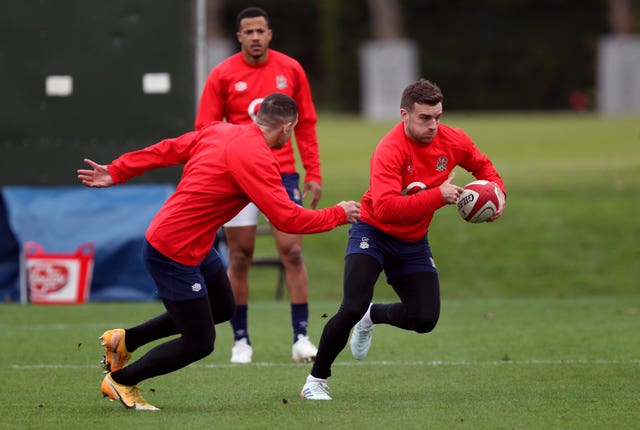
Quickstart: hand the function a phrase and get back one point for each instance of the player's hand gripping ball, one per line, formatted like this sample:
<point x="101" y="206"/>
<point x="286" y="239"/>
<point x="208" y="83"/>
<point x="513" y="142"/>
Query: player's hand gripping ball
<point x="479" y="201"/>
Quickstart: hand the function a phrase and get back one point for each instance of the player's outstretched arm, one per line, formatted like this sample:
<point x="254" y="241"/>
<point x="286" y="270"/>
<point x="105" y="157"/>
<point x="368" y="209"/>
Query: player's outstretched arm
<point x="352" y="210"/>
<point x="97" y="177"/>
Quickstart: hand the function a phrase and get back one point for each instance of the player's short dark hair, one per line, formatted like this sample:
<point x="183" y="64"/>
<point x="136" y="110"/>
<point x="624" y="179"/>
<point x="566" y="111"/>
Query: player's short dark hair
<point x="251" y="12"/>
<point x="423" y="92"/>
<point x="277" y="109"/>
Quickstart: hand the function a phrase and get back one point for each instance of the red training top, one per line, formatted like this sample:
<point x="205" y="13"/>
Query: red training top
<point x="235" y="89"/>
<point x="226" y="167"/>
<point x="401" y="168"/>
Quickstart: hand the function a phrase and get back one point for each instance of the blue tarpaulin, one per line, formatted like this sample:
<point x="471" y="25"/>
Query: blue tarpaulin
<point x="61" y="218"/>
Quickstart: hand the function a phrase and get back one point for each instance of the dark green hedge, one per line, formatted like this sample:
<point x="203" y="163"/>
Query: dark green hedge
<point x="490" y="54"/>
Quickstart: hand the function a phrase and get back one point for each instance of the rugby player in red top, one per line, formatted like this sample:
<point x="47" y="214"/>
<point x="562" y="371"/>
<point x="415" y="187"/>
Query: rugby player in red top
<point x="411" y="175"/>
<point x="225" y="167"/>
<point x="233" y="92"/>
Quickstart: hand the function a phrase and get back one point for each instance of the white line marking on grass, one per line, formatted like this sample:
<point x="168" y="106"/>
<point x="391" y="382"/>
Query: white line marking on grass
<point x="57" y="326"/>
<point x="436" y="363"/>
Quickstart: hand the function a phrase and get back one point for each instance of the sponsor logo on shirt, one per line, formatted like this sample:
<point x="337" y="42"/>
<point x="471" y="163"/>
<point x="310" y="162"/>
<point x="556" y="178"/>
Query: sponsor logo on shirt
<point x="281" y="82"/>
<point x="441" y="164"/>
<point x="240" y="86"/>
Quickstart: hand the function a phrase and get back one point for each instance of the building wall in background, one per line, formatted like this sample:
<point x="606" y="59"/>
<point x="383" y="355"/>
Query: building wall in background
<point x="89" y="78"/>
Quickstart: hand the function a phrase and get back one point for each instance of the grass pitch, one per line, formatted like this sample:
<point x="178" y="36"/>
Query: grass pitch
<point x="569" y="228"/>
<point x="490" y="364"/>
<point x="539" y="326"/>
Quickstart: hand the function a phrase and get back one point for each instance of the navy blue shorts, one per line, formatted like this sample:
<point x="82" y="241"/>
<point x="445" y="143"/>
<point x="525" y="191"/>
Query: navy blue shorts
<point x="176" y="281"/>
<point x="291" y="182"/>
<point x="397" y="257"/>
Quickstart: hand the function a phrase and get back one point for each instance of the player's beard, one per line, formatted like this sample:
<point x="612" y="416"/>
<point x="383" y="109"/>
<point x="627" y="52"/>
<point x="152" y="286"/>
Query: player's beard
<point x="257" y="51"/>
<point x="425" y="137"/>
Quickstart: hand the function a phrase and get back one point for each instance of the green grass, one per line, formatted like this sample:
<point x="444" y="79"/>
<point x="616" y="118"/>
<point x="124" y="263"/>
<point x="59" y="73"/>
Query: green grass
<point x="570" y="227"/>
<point x="539" y="326"/>
<point x="490" y="364"/>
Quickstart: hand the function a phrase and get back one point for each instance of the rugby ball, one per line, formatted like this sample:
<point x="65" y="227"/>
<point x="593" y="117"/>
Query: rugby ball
<point x="479" y="201"/>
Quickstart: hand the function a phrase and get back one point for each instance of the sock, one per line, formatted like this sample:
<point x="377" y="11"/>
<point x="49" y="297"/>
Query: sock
<point x="299" y="319"/>
<point x="239" y="323"/>
<point x="367" y="316"/>
<point x="312" y="378"/>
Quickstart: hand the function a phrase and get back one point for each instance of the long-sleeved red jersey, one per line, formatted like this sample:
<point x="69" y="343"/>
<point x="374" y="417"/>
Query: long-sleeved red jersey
<point x="235" y="89"/>
<point x="226" y="167"/>
<point x="405" y="177"/>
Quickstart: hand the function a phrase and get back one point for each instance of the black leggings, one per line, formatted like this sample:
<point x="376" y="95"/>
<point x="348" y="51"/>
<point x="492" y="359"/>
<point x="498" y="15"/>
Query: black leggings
<point x="193" y="319"/>
<point x="418" y="309"/>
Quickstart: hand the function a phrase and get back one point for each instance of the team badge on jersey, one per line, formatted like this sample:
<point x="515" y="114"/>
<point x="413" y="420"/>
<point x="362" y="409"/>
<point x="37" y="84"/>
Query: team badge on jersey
<point x="441" y="164"/>
<point x="240" y="86"/>
<point x="281" y="82"/>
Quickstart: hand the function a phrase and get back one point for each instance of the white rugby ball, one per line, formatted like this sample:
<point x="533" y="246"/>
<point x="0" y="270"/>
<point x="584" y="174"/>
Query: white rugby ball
<point x="479" y="201"/>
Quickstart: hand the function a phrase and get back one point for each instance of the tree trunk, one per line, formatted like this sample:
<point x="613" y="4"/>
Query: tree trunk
<point x="620" y="16"/>
<point x="386" y="19"/>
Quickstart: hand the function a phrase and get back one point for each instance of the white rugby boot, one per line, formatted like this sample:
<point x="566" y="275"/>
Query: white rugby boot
<point x="242" y="352"/>
<point x="303" y="351"/>
<point x="360" y="341"/>
<point x="315" y="389"/>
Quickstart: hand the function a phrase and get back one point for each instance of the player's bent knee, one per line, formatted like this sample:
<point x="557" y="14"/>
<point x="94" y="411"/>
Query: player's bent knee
<point x="239" y="262"/>
<point x="425" y="325"/>
<point x="201" y="349"/>
<point x="222" y="315"/>
<point x="293" y="257"/>
<point x="354" y="311"/>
